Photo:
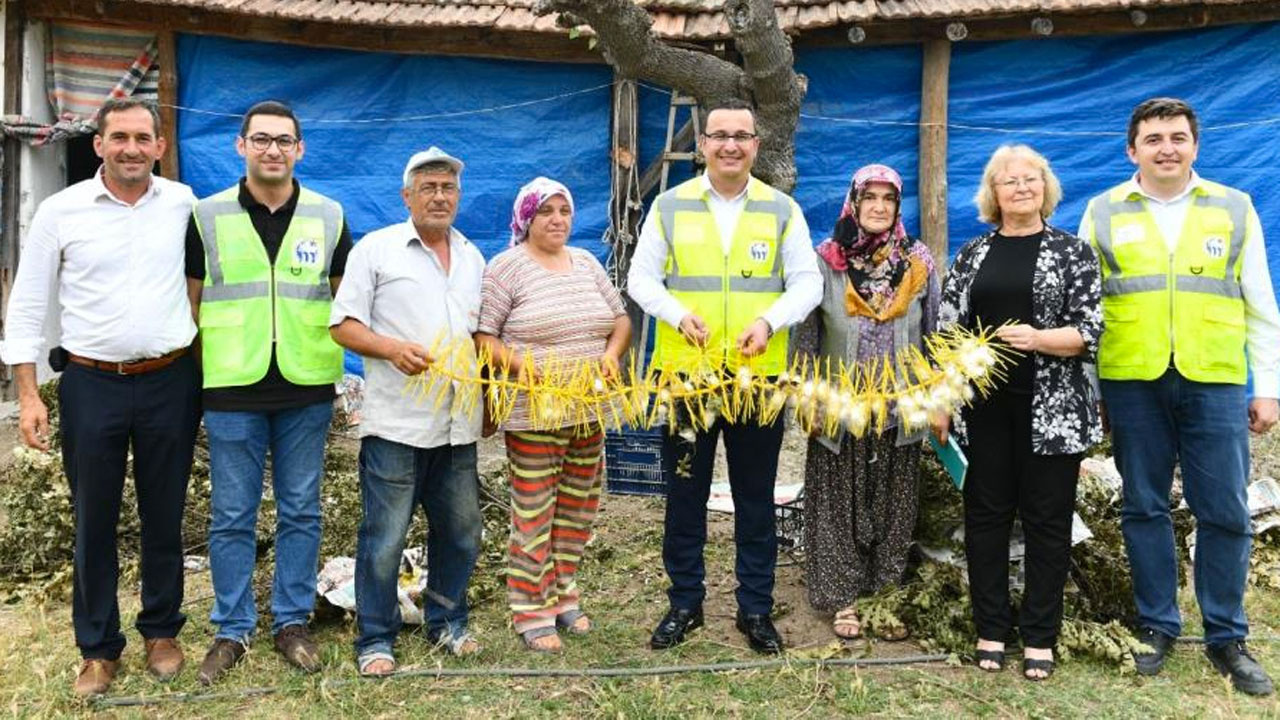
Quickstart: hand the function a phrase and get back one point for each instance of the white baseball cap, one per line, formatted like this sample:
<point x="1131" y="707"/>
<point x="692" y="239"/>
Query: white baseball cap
<point x="430" y="155"/>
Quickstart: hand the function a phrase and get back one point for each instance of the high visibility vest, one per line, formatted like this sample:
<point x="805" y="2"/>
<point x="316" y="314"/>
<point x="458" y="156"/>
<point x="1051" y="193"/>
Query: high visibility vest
<point x="727" y="292"/>
<point x="248" y="304"/>
<point x="1188" y="303"/>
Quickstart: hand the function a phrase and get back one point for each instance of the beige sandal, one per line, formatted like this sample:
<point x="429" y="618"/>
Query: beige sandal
<point x="846" y="624"/>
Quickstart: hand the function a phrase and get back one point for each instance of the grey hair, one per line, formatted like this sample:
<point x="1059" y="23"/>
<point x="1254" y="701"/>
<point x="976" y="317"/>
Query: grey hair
<point x="435" y="166"/>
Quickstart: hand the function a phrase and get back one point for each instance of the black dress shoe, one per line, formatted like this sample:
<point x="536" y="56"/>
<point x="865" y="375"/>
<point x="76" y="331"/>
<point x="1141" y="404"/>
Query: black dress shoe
<point x="1233" y="659"/>
<point x="671" y="631"/>
<point x="1150" y="663"/>
<point x="760" y="632"/>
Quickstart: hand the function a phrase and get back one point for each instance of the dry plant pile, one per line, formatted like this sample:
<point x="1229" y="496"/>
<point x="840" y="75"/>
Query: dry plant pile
<point x="37" y="532"/>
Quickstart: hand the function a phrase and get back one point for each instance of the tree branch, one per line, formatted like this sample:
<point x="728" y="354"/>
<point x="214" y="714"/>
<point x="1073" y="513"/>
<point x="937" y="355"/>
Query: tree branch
<point x="625" y="34"/>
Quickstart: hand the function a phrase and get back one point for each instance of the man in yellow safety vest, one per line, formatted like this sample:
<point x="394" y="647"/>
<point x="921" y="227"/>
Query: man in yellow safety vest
<point x="726" y="265"/>
<point x="263" y="259"/>
<point x="1189" y="310"/>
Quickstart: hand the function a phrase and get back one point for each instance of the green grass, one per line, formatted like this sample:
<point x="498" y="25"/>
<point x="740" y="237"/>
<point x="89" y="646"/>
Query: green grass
<point x="624" y="592"/>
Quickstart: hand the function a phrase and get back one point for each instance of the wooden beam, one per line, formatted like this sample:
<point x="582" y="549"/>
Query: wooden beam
<point x="1065" y="24"/>
<point x="168" y="101"/>
<point x="933" y="148"/>
<point x="10" y="177"/>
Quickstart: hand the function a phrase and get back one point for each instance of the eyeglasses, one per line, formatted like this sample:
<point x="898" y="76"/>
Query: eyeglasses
<point x="262" y="142"/>
<point x="739" y="137"/>
<point x="1013" y="183"/>
<point x="431" y="189"/>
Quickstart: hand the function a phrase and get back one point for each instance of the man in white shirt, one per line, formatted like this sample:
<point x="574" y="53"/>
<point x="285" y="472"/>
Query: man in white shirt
<point x="1189" y="311"/>
<point x="726" y="264"/>
<point x="412" y="291"/>
<point x="110" y="251"/>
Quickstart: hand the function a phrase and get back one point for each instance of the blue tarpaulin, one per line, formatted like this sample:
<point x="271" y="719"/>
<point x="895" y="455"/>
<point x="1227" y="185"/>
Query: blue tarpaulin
<point x="364" y="113"/>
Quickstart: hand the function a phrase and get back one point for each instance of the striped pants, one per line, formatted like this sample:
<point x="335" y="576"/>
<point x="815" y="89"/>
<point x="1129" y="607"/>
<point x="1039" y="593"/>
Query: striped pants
<point x="555" y="493"/>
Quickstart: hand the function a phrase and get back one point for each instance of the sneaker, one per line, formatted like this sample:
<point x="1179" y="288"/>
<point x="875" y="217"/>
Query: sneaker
<point x="1233" y="659"/>
<point x="1150" y="663"/>
<point x="295" y="644"/>
<point x="223" y="655"/>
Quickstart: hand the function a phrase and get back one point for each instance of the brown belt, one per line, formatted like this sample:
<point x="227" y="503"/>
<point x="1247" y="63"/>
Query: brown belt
<point x="133" y="367"/>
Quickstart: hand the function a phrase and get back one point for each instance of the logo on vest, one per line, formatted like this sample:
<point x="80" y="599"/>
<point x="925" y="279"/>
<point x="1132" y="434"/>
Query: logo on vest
<point x="1215" y="247"/>
<point x="306" y="253"/>
<point x="759" y="251"/>
<point x="1129" y="234"/>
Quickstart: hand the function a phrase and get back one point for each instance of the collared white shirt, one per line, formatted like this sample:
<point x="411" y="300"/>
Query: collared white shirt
<point x="1262" y="318"/>
<point x="646" y="280"/>
<point x="115" y="269"/>
<point x="397" y="287"/>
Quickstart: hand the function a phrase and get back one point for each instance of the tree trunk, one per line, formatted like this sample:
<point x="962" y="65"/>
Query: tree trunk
<point x="766" y="79"/>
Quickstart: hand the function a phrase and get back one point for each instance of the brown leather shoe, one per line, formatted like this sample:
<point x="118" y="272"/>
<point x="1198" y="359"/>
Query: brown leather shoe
<point x="294" y="642"/>
<point x="222" y="656"/>
<point x="164" y="657"/>
<point x="95" y="676"/>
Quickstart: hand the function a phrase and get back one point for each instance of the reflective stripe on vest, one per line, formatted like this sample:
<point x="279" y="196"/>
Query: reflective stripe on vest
<point x="251" y="306"/>
<point x="710" y="289"/>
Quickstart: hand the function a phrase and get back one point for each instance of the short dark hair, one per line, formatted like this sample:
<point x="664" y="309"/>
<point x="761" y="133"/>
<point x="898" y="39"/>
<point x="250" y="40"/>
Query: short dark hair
<point x="113" y="105"/>
<point x="732" y="103"/>
<point x="271" y="107"/>
<point x="1164" y="108"/>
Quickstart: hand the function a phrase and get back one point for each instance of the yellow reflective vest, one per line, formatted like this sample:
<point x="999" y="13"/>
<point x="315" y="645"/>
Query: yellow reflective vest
<point x="1188" y="303"/>
<point x="248" y="304"/>
<point x="727" y="291"/>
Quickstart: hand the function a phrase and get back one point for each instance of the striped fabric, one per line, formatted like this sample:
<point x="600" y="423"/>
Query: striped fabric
<point x="85" y="65"/>
<point x="555" y="493"/>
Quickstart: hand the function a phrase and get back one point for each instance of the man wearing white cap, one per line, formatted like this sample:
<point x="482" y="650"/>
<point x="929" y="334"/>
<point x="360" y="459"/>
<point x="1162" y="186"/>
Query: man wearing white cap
<point x="412" y="289"/>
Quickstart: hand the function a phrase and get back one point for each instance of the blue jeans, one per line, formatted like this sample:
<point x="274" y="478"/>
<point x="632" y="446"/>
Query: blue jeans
<point x="1204" y="427"/>
<point x="238" y="443"/>
<point x="395" y="478"/>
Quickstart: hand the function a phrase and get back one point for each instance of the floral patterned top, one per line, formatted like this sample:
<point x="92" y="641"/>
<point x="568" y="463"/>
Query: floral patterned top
<point x="1067" y="291"/>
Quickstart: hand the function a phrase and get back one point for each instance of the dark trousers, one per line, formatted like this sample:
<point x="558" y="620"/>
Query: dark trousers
<point x="1006" y="478"/>
<point x="102" y="413"/>
<point x="752" y="452"/>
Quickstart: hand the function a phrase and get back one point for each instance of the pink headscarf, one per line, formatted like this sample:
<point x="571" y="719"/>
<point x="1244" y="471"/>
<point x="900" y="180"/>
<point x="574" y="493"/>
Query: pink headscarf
<point x="837" y="251"/>
<point x="531" y="197"/>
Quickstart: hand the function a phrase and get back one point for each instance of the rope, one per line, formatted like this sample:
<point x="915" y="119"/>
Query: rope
<point x="408" y="118"/>
<point x="439" y="673"/>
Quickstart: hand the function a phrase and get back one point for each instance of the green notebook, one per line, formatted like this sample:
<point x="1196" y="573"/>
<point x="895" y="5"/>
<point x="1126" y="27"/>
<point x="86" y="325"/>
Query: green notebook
<point x="952" y="457"/>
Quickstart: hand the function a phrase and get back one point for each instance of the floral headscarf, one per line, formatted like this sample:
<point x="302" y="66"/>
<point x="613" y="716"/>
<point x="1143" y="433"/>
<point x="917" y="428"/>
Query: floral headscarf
<point x="529" y="199"/>
<point x="875" y="263"/>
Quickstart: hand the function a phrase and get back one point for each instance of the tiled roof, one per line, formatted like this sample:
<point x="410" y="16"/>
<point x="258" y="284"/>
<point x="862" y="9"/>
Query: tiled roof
<point x="673" y="19"/>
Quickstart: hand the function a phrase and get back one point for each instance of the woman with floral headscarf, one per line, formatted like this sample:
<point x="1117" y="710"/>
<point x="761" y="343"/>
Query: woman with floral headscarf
<point x="881" y="295"/>
<point x="540" y="299"/>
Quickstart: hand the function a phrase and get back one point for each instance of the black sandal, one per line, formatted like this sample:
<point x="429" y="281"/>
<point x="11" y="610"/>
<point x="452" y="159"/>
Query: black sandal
<point x="995" y="656"/>
<point x="1029" y="664"/>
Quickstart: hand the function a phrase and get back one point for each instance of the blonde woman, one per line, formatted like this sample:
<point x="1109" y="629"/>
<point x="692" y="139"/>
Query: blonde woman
<point x="1040" y="286"/>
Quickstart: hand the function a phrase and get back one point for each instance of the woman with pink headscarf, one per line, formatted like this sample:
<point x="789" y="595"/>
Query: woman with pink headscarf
<point x="881" y="295"/>
<point x="540" y="299"/>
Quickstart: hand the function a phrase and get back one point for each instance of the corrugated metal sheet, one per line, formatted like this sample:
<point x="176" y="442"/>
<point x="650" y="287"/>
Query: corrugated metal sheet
<point x="673" y="19"/>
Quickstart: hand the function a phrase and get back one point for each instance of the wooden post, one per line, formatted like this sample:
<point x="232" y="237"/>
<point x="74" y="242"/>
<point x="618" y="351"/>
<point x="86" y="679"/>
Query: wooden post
<point x="10" y="177"/>
<point x="933" y="148"/>
<point x="625" y="206"/>
<point x="168" y="100"/>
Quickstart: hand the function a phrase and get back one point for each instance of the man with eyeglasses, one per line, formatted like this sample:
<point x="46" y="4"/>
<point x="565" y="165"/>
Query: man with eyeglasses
<point x="726" y="264"/>
<point x="1190" y="312"/>
<point x="411" y="287"/>
<point x="263" y="259"/>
